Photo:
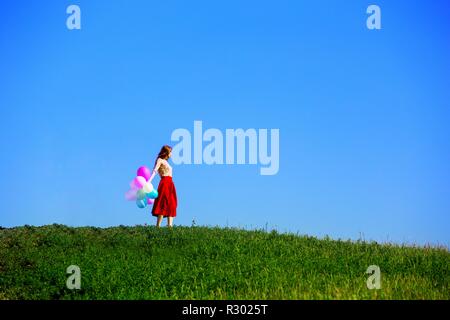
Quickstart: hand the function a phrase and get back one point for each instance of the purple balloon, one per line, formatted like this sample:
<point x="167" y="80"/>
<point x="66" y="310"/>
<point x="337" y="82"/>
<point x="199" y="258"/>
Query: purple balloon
<point x="144" y="172"/>
<point x="150" y="201"/>
<point x="130" y="195"/>
<point x="139" y="182"/>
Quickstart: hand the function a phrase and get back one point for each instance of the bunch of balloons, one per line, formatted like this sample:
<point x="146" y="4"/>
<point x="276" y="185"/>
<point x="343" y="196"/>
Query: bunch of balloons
<point x="141" y="190"/>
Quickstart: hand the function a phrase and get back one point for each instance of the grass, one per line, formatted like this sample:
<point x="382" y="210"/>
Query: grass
<point x="211" y="263"/>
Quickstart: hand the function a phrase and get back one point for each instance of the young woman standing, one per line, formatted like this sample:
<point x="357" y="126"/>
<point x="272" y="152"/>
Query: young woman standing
<point x="165" y="204"/>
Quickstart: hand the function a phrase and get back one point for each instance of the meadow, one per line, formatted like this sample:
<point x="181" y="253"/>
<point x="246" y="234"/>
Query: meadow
<point x="203" y="262"/>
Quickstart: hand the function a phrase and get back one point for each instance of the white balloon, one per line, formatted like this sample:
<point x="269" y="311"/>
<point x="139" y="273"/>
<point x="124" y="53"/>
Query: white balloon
<point x="148" y="187"/>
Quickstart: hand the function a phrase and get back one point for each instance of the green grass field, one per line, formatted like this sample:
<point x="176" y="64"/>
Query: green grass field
<point x="211" y="263"/>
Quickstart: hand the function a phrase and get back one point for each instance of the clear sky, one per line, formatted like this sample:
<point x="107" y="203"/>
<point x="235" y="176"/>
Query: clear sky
<point x="363" y="114"/>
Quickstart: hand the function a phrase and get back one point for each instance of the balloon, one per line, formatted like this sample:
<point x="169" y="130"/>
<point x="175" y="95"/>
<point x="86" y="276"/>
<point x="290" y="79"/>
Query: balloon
<point x="140" y="189"/>
<point x="139" y="182"/>
<point x="141" y="203"/>
<point x="130" y="195"/>
<point x="140" y="194"/>
<point x="144" y="172"/>
<point x="148" y="187"/>
<point x="153" y="194"/>
<point x="133" y="186"/>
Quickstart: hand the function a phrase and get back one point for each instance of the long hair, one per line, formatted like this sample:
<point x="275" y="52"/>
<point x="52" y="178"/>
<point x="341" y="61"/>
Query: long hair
<point x="164" y="153"/>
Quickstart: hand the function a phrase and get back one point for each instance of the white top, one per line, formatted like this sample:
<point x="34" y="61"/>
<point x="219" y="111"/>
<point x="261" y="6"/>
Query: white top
<point x="163" y="168"/>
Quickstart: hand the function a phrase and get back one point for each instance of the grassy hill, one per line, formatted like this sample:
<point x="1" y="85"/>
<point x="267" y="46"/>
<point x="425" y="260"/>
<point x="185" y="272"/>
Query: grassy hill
<point x="210" y="263"/>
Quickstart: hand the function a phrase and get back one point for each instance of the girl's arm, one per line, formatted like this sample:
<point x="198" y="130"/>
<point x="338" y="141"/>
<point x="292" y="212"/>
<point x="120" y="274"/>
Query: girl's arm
<point x="155" y="169"/>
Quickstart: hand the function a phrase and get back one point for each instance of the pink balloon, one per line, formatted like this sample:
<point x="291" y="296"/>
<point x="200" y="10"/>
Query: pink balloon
<point x="139" y="182"/>
<point x="130" y="195"/>
<point x="150" y="201"/>
<point x="144" y="172"/>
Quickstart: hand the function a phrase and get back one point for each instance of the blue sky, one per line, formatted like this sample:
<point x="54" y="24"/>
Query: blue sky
<point x="363" y="114"/>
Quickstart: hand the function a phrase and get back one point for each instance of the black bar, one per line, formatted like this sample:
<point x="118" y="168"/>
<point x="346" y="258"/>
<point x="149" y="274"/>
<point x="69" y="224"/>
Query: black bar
<point x="225" y="309"/>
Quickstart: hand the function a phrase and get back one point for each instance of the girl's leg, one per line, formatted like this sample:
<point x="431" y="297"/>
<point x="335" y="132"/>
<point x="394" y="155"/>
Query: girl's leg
<point x="170" y="221"/>
<point x="158" y="220"/>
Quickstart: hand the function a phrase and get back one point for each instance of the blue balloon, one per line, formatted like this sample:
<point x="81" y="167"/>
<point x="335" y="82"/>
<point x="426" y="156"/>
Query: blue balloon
<point x="141" y="203"/>
<point x="152" y="195"/>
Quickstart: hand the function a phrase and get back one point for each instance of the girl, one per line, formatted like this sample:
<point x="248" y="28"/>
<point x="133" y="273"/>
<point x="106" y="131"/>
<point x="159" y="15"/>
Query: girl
<point x="165" y="204"/>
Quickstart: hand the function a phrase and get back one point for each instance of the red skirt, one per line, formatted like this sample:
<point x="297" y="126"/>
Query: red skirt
<point x="166" y="202"/>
